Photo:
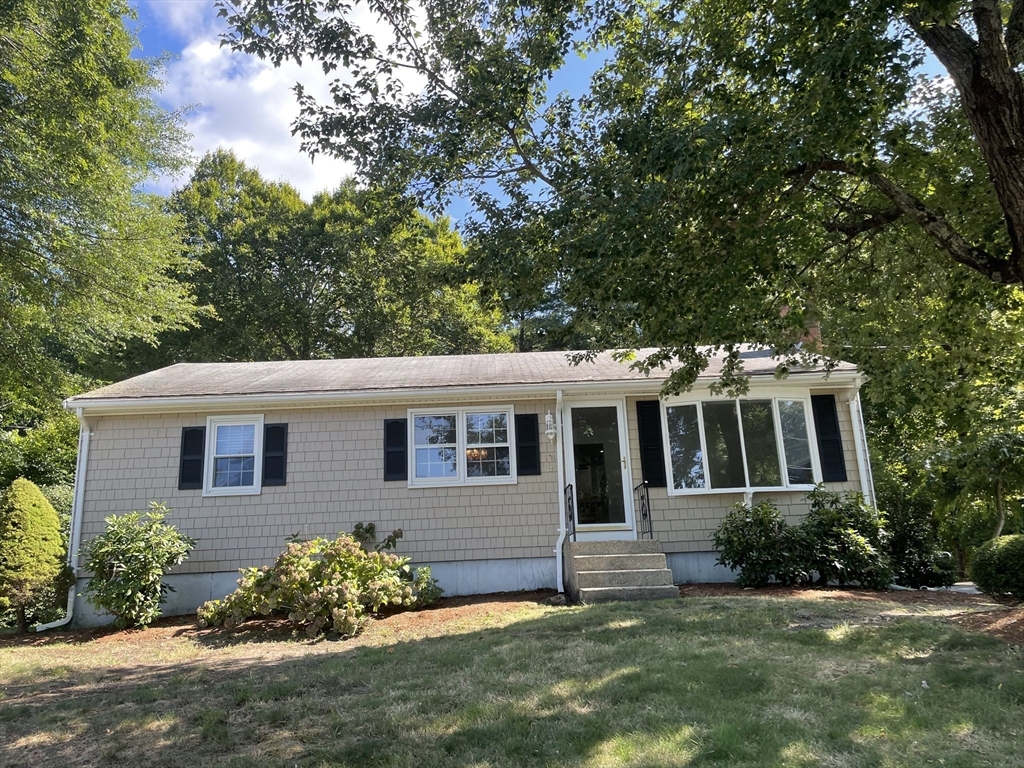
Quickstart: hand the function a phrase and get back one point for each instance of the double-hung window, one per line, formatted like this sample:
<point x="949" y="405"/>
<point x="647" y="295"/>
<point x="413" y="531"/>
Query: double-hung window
<point x="738" y="445"/>
<point x="234" y="455"/>
<point x="461" y="446"/>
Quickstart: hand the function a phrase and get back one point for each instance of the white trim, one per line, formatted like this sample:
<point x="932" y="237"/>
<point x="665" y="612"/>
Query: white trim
<point x="461" y="446"/>
<point x="867" y="451"/>
<point x="609" y="530"/>
<point x="560" y="465"/>
<point x="647" y="386"/>
<point x="860" y="442"/>
<point x="773" y="396"/>
<point x="212" y="422"/>
<point x="75" y="534"/>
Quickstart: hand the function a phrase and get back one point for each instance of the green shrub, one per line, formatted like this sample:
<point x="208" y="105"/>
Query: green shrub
<point x="322" y="585"/>
<point x="846" y="541"/>
<point x="757" y="542"/>
<point x="128" y="562"/>
<point x="998" y="567"/>
<point x="840" y="540"/>
<point x="916" y="557"/>
<point x="31" y="550"/>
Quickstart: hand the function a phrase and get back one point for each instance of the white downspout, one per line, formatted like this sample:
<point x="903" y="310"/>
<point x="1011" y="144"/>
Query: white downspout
<point x="560" y="463"/>
<point x="858" y="442"/>
<point x="867" y="452"/>
<point x="75" y="534"/>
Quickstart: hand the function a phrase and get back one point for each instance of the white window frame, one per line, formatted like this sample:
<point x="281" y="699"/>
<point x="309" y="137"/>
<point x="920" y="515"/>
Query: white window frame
<point x="774" y="396"/>
<point x="461" y="446"/>
<point x="212" y="422"/>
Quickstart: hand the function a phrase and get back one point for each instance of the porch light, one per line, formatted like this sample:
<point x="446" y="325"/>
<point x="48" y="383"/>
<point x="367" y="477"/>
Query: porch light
<point x="549" y="426"/>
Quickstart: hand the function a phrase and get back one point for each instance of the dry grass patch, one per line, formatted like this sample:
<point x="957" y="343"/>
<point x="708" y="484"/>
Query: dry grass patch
<point x="743" y="679"/>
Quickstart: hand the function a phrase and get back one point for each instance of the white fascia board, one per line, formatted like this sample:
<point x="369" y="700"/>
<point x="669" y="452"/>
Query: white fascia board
<point x="487" y="393"/>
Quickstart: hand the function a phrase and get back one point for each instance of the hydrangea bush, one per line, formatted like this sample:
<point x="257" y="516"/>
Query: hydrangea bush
<point x="324" y="585"/>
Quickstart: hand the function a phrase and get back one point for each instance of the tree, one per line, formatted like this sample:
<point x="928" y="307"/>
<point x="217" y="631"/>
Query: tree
<point x="354" y="273"/>
<point x="727" y="161"/>
<point x="86" y="258"/>
<point x="31" y="548"/>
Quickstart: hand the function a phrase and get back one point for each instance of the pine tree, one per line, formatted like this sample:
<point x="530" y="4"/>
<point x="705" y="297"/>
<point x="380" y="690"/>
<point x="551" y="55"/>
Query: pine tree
<point x="31" y="549"/>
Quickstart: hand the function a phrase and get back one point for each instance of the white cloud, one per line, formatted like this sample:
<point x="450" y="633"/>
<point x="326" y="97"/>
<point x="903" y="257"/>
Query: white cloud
<point x="240" y="102"/>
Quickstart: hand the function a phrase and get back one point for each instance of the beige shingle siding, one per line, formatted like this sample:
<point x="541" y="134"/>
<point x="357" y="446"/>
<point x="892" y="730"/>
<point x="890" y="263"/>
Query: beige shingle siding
<point x="335" y="480"/>
<point x="686" y="523"/>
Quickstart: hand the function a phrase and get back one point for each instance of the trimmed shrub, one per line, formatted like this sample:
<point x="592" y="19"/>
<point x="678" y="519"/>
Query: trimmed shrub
<point x="31" y="548"/>
<point x="998" y="567"/>
<point x="840" y="540"/>
<point x="128" y="562"/>
<point x="846" y="541"/>
<point x="757" y="542"/>
<point x="322" y="585"/>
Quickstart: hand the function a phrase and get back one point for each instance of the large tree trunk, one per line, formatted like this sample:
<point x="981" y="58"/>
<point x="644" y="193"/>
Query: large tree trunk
<point x="992" y="95"/>
<point x="22" y="620"/>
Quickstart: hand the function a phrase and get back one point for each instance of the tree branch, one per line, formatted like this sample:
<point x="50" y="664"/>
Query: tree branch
<point x="1015" y="33"/>
<point x="940" y="230"/>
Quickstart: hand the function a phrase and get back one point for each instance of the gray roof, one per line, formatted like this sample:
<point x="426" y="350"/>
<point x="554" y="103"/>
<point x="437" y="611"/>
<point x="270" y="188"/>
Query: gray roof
<point x="369" y="375"/>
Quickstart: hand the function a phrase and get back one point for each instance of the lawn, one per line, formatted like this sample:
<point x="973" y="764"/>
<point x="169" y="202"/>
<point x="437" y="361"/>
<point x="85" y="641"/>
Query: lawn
<point x="741" y="679"/>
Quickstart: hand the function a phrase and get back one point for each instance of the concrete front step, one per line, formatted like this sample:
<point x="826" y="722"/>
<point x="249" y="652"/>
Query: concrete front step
<point x="641" y="547"/>
<point x="607" y="594"/>
<point x="619" y="562"/>
<point x="652" y="577"/>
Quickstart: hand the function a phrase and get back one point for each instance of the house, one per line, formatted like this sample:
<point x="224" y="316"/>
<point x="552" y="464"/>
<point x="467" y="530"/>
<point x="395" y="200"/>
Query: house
<point x="490" y="464"/>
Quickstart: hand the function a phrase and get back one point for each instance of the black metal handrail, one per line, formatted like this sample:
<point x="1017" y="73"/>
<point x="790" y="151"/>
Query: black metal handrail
<point x="570" y="514"/>
<point x="643" y="507"/>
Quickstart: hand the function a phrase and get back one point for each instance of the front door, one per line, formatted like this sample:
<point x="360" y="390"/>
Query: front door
<point x="598" y="460"/>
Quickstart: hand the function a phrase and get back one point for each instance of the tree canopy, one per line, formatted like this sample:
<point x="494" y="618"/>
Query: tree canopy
<point x="727" y="160"/>
<point x="354" y="273"/>
<point x="85" y="256"/>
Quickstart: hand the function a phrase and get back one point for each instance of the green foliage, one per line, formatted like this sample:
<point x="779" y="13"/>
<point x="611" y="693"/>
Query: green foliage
<point x="354" y="273"/>
<point x="86" y="258"/>
<point x="324" y="585"/>
<point x="366" y="535"/>
<point x="846" y="541"/>
<point x="31" y="550"/>
<point x="757" y="542"/>
<point x="128" y="562"/>
<point x="840" y="541"/>
<point x="912" y="545"/>
<point x="44" y="454"/>
<point x="998" y="567"/>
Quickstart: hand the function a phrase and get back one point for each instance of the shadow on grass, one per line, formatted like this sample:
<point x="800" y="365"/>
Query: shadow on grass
<point x="673" y="683"/>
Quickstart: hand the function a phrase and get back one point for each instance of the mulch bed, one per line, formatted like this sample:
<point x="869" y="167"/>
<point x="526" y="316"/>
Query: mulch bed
<point x="1006" y="623"/>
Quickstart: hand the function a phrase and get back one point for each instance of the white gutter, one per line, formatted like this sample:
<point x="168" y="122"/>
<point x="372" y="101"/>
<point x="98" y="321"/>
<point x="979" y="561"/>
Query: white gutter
<point x="858" y="441"/>
<point x="75" y="534"/>
<point x="867" y="453"/>
<point x="157" y="404"/>
<point x="560" y="463"/>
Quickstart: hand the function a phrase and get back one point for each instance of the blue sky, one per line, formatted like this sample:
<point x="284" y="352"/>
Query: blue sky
<point x="239" y="102"/>
<point x="236" y="101"/>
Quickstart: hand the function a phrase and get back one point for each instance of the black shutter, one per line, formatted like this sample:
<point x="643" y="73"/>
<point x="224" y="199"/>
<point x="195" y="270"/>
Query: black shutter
<point x="527" y="444"/>
<point x="193" y="446"/>
<point x="396" y="463"/>
<point x="652" y="452"/>
<point x="275" y="454"/>
<point x="830" y="441"/>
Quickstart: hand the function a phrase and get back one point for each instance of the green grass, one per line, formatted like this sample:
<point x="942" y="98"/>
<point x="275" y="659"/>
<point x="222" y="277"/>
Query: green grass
<point x="731" y="681"/>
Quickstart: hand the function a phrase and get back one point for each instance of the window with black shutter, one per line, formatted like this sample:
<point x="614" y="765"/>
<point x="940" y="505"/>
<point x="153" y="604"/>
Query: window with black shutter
<point x="193" y="448"/>
<point x="830" y="441"/>
<point x="275" y="454"/>
<point x="396" y="463"/>
<point x="527" y="444"/>
<point x="652" y="450"/>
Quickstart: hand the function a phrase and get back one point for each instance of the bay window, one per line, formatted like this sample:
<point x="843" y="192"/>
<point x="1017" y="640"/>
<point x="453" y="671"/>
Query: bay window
<point x="738" y="445"/>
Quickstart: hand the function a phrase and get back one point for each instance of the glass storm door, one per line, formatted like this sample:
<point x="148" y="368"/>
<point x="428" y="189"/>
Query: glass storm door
<point x="599" y="467"/>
